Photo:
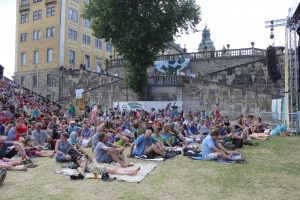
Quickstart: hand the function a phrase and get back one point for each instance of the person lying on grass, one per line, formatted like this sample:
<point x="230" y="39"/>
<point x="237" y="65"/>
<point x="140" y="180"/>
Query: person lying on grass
<point x="212" y="150"/>
<point x="12" y="165"/>
<point x="106" y="152"/>
<point x="86" y="164"/>
<point x="38" y="151"/>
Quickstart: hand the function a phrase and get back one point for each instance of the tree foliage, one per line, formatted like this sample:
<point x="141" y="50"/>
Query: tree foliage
<point x="139" y="29"/>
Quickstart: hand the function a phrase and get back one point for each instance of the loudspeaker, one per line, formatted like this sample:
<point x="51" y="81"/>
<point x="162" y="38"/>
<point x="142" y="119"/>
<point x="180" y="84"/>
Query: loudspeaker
<point x="1" y="71"/>
<point x="272" y="64"/>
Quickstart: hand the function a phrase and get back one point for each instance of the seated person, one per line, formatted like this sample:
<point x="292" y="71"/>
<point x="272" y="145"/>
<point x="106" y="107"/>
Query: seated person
<point x="124" y="136"/>
<point x="106" y="152"/>
<point x="146" y="145"/>
<point x="61" y="148"/>
<point x="17" y="148"/>
<point x="86" y="164"/>
<point x="160" y="140"/>
<point x="258" y="126"/>
<point x="203" y="128"/>
<point x="74" y="140"/>
<point x="86" y="135"/>
<point x="39" y="136"/>
<point x="212" y="150"/>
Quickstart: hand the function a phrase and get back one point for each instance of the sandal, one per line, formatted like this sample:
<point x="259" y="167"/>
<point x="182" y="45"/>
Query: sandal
<point x="241" y="161"/>
<point x="105" y="177"/>
<point x="31" y="165"/>
<point x="77" y="177"/>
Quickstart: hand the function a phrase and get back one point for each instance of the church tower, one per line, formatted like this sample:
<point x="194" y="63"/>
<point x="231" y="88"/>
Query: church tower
<point x="206" y="43"/>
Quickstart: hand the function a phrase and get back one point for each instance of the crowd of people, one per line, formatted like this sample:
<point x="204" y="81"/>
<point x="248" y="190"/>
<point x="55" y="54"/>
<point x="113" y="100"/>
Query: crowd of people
<point x="36" y="127"/>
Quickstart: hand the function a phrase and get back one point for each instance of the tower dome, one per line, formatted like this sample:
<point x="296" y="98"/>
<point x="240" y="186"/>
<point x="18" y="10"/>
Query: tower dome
<point x="206" y="43"/>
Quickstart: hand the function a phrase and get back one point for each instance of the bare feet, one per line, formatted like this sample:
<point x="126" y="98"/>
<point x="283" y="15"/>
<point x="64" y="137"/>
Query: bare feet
<point x="135" y="171"/>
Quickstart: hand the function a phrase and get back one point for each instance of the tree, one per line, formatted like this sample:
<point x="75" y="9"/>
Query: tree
<point x="139" y="29"/>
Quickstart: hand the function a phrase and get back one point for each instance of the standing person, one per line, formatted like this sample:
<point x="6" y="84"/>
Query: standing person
<point x="218" y="112"/>
<point x="61" y="148"/>
<point x="54" y="127"/>
<point x="72" y="110"/>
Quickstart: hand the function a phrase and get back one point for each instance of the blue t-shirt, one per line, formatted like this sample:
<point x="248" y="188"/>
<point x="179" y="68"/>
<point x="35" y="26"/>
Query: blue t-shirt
<point x="207" y="145"/>
<point x="4" y="147"/>
<point x="140" y="144"/>
<point x="71" y="129"/>
<point x="193" y="129"/>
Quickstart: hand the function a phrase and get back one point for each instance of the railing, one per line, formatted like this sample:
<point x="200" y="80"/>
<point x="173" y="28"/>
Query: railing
<point x="165" y="80"/>
<point x="275" y="119"/>
<point x="204" y="55"/>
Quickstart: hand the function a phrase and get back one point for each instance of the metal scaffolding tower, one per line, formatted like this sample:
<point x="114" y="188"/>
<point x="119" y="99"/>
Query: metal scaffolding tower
<point x="291" y="71"/>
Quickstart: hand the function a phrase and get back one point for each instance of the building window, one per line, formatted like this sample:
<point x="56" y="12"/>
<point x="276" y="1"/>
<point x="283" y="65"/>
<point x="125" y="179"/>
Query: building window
<point x="86" y="39"/>
<point x="87" y="61"/>
<point x="49" y="80"/>
<point x="37" y="15"/>
<point x="36" y="1"/>
<point x="76" y="1"/>
<point x="36" y="35"/>
<point x="73" y="15"/>
<point x="98" y="43"/>
<point x="22" y="80"/>
<point x="24" y="18"/>
<point x="23" y="59"/>
<point x="35" y="57"/>
<point x="24" y="2"/>
<point x="108" y="47"/>
<point x="24" y="37"/>
<point x="50" y="11"/>
<point x="72" y="34"/>
<point x="72" y="57"/>
<point x="50" y="32"/>
<point x="49" y="55"/>
<point x="34" y="80"/>
<point x="86" y="23"/>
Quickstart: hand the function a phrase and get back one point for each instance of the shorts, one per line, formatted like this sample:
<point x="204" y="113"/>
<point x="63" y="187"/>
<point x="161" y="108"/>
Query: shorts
<point x="96" y="167"/>
<point x="60" y="158"/>
<point x="211" y="156"/>
<point x="105" y="159"/>
<point x="11" y="153"/>
<point x="120" y="142"/>
<point x="31" y="153"/>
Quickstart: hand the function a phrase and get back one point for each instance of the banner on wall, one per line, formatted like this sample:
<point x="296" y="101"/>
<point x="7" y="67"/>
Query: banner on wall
<point x="148" y="105"/>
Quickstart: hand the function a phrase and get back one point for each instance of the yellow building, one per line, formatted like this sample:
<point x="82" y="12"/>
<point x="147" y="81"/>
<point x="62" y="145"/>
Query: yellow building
<point x="50" y="34"/>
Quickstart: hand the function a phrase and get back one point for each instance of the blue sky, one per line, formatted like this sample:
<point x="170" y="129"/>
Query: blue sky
<point x="234" y="22"/>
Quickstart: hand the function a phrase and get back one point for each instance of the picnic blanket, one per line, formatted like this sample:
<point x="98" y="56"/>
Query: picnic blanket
<point x="220" y="160"/>
<point x="137" y="178"/>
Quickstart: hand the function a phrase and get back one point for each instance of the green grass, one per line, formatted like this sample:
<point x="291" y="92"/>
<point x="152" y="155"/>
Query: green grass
<point x="273" y="172"/>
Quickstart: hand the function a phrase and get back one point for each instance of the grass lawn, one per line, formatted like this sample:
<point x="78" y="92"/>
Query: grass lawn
<point x="273" y="172"/>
